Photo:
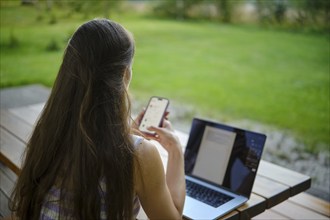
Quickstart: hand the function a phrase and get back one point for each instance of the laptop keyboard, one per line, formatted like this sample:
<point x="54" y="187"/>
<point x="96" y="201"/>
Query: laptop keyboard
<point x="206" y="195"/>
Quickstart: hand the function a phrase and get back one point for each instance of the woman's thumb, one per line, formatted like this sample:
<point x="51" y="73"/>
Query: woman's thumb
<point x="156" y="129"/>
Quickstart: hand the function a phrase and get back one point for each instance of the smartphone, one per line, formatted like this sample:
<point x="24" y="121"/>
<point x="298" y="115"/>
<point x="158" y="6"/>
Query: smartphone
<point x="154" y="114"/>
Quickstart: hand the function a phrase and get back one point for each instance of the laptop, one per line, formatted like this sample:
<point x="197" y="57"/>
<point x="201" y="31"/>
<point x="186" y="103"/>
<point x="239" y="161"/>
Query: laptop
<point x="221" y="164"/>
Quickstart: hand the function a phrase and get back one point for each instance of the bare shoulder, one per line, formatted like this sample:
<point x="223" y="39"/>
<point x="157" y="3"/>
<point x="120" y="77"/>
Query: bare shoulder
<point x="146" y="149"/>
<point x="148" y="164"/>
<point x="148" y="156"/>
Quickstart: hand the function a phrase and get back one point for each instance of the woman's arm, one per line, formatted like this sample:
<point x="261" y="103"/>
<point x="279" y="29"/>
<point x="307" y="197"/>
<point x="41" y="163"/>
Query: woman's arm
<point x="161" y="196"/>
<point x="175" y="178"/>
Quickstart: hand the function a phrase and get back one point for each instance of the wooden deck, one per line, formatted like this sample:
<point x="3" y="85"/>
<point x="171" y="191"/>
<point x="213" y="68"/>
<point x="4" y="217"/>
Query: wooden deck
<point x="270" y="199"/>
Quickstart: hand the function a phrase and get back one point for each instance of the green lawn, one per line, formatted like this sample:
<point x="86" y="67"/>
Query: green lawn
<point x="275" y="77"/>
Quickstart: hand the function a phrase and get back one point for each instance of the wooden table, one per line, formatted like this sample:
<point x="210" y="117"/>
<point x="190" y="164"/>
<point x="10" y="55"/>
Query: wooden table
<point x="273" y="184"/>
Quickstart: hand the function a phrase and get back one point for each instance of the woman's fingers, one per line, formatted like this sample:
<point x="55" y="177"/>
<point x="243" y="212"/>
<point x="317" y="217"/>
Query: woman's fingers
<point x="138" y="119"/>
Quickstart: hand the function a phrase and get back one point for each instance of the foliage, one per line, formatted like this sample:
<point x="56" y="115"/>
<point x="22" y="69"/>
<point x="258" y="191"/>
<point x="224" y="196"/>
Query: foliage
<point x="225" y="10"/>
<point x="315" y="12"/>
<point x="271" y="11"/>
<point x="90" y="7"/>
<point x="175" y="8"/>
<point x="295" y="14"/>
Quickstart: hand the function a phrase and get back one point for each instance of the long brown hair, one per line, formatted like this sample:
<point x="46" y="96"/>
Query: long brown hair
<point x="83" y="134"/>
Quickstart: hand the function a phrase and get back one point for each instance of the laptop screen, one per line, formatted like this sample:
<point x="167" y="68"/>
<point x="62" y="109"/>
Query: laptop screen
<point x="223" y="155"/>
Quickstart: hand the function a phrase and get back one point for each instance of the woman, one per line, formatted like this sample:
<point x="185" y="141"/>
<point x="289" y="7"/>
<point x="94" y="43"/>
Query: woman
<point x="82" y="160"/>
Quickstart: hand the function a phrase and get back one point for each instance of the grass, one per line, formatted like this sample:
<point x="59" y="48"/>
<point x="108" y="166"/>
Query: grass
<point x="275" y="77"/>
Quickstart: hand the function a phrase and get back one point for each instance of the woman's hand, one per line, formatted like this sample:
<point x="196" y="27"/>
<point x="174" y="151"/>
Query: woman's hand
<point x="166" y="136"/>
<point x="137" y="121"/>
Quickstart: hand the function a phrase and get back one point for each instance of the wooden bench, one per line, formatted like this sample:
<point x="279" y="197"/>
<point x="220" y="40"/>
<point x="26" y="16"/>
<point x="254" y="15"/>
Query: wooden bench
<point x="276" y="188"/>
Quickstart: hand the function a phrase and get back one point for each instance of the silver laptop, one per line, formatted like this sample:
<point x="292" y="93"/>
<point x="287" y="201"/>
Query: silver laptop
<point x="221" y="164"/>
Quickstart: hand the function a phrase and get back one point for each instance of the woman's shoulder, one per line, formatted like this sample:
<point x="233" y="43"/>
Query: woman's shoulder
<point x="137" y="140"/>
<point x="149" y="167"/>
<point x="144" y="147"/>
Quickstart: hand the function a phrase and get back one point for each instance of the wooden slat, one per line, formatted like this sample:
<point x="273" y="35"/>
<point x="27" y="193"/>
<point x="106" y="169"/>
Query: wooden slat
<point x="11" y="175"/>
<point x="294" y="211"/>
<point x="254" y="206"/>
<point x="26" y="113"/>
<point x="296" y="181"/>
<point x="6" y="183"/>
<point x="234" y="215"/>
<point x="313" y="203"/>
<point x="11" y="150"/>
<point x="270" y="215"/>
<point x="15" y="125"/>
<point x="273" y="192"/>
<point x="4" y="209"/>
<point x="11" y="165"/>
<point x="37" y="107"/>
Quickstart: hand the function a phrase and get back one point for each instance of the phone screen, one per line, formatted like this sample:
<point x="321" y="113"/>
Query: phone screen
<point x="154" y="113"/>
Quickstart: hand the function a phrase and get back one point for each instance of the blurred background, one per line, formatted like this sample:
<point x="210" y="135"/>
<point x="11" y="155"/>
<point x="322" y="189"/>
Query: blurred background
<point x="259" y="64"/>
